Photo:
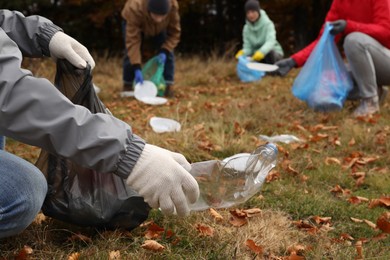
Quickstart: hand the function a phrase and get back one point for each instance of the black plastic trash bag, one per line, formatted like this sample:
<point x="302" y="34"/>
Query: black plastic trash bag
<point x="79" y="195"/>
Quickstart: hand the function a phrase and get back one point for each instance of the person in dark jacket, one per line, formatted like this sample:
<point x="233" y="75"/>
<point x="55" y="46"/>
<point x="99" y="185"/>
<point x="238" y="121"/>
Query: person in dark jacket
<point x="365" y="27"/>
<point x="34" y="112"/>
<point x="157" y="21"/>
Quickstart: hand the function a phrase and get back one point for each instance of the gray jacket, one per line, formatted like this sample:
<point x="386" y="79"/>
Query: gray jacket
<point x="34" y="112"/>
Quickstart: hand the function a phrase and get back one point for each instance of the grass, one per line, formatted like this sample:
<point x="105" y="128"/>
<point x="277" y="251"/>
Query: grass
<point x="221" y="116"/>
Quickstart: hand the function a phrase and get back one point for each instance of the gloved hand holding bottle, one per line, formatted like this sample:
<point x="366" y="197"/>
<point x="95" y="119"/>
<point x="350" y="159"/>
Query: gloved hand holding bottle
<point x="162" y="178"/>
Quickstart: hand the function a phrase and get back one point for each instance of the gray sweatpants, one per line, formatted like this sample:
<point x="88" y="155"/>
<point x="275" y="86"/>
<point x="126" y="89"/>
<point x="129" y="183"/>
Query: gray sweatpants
<point x="369" y="62"/>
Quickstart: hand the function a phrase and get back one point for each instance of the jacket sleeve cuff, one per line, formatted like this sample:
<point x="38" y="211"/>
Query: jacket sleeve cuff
<point x="136" y="66"/>
<point x="134" y="148"/>
<point x="45" y="35"/>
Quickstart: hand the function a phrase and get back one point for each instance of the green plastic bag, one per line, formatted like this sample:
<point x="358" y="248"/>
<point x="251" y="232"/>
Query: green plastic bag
<point x="154" y="71"/>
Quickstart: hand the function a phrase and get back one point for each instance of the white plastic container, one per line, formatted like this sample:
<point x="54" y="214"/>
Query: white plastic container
<point x="162" y="125"/>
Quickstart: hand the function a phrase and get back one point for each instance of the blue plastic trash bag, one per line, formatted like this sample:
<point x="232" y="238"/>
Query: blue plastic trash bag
<point x="246" y="74"/>
<point x="324" y="81"/>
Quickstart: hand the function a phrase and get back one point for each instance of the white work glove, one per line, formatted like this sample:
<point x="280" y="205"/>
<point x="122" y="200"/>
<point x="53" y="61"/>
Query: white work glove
<point x="162" y="178"/>
<point x="62" y="46"/>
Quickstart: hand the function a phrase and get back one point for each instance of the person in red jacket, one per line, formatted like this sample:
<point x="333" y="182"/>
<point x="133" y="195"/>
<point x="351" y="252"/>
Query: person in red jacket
<point x="364" y="25"/>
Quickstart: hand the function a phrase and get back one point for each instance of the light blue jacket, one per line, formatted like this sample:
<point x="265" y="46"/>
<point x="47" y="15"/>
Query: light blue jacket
<point x="260" y="36"/>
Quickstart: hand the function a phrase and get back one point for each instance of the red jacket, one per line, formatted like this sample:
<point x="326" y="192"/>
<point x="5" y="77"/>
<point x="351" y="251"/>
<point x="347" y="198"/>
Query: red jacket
<point x="371" y="17"/>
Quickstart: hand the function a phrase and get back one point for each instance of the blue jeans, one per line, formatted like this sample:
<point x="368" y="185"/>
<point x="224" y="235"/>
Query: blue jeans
<point x="158" y="41"/>
<point x="23" y="189"/>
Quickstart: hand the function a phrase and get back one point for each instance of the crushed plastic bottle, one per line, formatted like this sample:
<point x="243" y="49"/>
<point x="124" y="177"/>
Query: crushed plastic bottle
<point x="233" y="181"/>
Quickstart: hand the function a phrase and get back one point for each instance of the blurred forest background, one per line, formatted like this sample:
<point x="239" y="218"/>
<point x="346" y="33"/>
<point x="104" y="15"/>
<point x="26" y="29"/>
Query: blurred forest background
<point x="208" y="26"/>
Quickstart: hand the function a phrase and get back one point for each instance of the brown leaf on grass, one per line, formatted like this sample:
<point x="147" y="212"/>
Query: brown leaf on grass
<point x="282" y="150"/>
<point x="366" y="160"/>
<point x="237" y="218"/>
<point x="323" y="127"/>
<point x="359" y="250"/>
<point x="381" y="236"/>
<point x="215" y="215"/>
<point x="154" y="231"/>
<point x="382" y="202"/>
<point x="357" y="199"/>
<point x="350" y="163"/>
<point x="238" y="130"/>
<point x="329" y="160"/>
<point x="334" y="141"/>
<point x="74" y="256"/>
<point x="272" y="176"/>
<point x="352" y="142"/>
<point x="371" y="224"/>
<point x="359" y="177"/>
<point x="24" y="253"/>
<point x="205" y="230"/>
<point x="114" y="255"/>
<point x="297" y="249"/>
<point x="292" y="170"/>
<point x="238" y="213"/>
<point x="326" y="228"/>
<point x="383" y="222"/>
<point x="356" y="220"/>
<point x="252" y="212"/>
<point x="306" y="226"/>
<point x="321" y="220"/>
<point x="318" y="137"/>
<point x="80" y="237"/>
<point x="338" y="191"/>
<point x="345" y="236"/>
<point x="294" y="256"/>
<point x="152" y="246"/>
<point x="257" y="249"/>
<point x="39" y="219"/>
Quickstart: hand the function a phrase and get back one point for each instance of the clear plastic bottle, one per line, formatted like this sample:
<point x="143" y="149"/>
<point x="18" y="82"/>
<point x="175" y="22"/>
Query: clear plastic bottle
<point x="230" y="182"/>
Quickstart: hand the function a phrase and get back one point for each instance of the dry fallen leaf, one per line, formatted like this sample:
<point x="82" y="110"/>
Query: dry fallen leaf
<point x="329" y="160"/>
<point x="114" y="255"/>
<point x="382" y="202"/>
<point x="39" y="219"/>
<point x="237" y="220"/>
<point x="371" y="224"/>
<point x="346" y="236"/>
<point x="24" y="253"/>
<point x="205" y="230"/>
<point x="383" y="222"/>
<point x="252" y="212"/>
<point x="321" y="220"/>
<point x="152" y="245"/>
<point x="357" y="199"/>
<point x="356" y="220"/>
<point x="216" y="215"/>
<point x="359" y="250"/>
<point x="74" y="256"/>
<point x="257" y="249"/>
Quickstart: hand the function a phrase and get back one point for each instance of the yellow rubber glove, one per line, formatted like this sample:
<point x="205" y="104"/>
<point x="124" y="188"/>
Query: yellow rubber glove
<point x="239" y="54"/>
<point x="258" y="56"/>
